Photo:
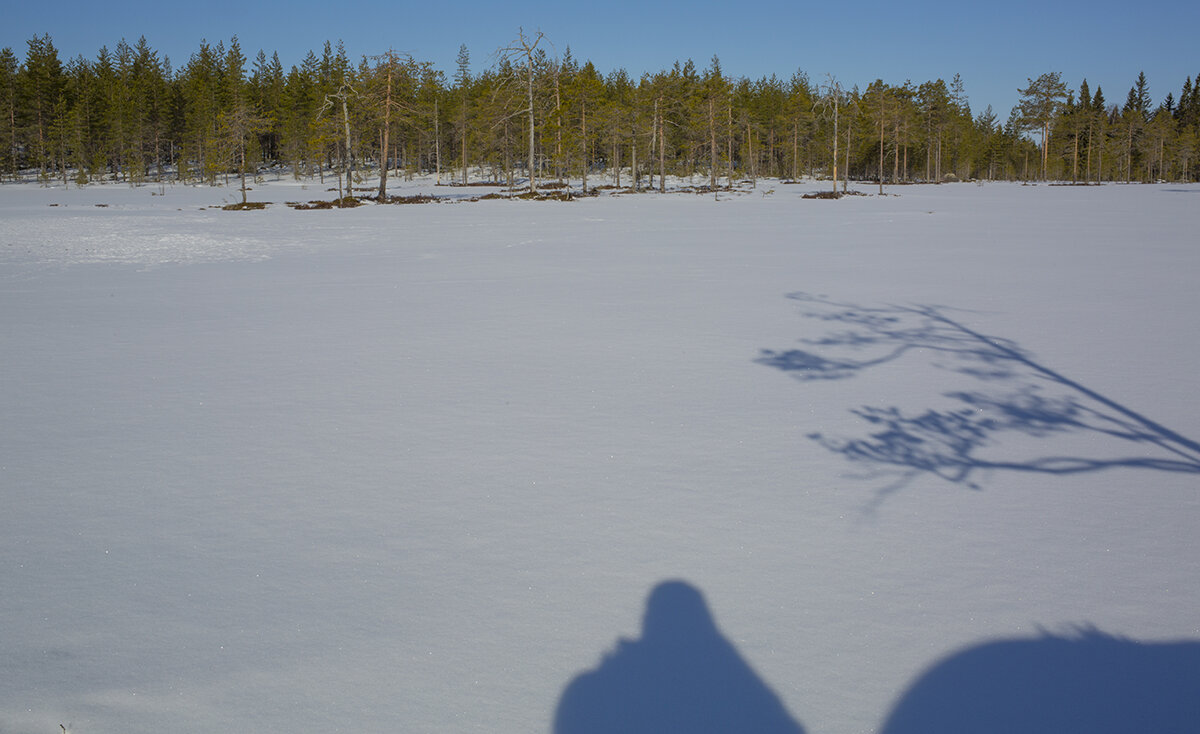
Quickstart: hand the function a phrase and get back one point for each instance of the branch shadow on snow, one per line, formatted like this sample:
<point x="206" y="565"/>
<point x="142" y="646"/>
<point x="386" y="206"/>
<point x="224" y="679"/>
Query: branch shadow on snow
<point x="682" y="675"/>
<point x="1085" y="682"/>
<point x="1014" y="395"/>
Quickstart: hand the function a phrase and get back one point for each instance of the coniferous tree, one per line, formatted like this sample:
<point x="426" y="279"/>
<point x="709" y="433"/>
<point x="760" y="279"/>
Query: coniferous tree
<point x="462" y="81"/>
<point x="44" y="86"/>
<point x="1039" y="106"/>
<point x="125" y="112"/>
<point x="10" y="103"/>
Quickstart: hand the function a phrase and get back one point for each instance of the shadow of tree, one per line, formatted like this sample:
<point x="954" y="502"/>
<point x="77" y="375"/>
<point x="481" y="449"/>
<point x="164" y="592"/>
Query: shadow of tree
<point x="949" y="443"/>
<point x="682" y="675"/>
<point x="1088" y="682"/>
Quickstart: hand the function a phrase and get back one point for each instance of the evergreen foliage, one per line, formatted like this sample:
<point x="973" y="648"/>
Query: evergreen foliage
<point x="127" y="115"/>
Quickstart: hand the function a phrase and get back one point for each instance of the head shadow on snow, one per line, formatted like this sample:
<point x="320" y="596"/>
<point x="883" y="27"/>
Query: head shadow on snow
<point x="1085" y="682"/>
<point x="1014" y="394"/>
<point x="682" y="675"/>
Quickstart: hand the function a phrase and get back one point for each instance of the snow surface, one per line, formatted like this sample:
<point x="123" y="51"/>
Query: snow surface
<point x="417" y="468"/>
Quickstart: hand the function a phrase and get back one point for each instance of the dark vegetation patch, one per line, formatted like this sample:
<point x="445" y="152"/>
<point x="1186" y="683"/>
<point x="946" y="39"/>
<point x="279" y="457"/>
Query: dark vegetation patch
<point x="539" y="195"/>
<point x="701" y="189"/>
<point x="832" y="194"/>
<point x="414" y="199"/>
<point x="544" y="196"/>
<point x="346" y="202"/>
<point x="243" y="206"/>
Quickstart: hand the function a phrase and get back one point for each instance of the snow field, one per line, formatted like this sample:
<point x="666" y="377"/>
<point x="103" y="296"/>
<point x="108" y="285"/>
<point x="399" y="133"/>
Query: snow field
<point x="414" y="468"/>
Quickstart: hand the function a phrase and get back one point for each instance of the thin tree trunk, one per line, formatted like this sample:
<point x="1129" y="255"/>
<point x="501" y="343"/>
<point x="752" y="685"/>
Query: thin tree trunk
<point x="1075" y="159"/>
<point x="1087" y="173"/>
<point x="242" y="155"/>
<point x="532" y="175"/>
<point x="795" y="151"/>
<point x="835" y="146"/>
<point x="617" y="161"/>
<point x="662" y="154"/>
<point x="750" y="153"/>
<point x="881" y="153"/>
<point x="633" y="164"/>
<point x="729" y="143"/>
<point x="387" y="127"/>
<point x="349" y="156"/>
<point x="846" y="172"/>
<point x="712" y="147"/>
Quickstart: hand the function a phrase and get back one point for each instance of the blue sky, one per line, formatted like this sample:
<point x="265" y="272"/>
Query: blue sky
<point x="995" y="46"/>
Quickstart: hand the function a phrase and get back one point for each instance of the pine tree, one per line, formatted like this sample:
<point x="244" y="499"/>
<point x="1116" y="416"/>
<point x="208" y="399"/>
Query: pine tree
<point x="1039" y="105"/>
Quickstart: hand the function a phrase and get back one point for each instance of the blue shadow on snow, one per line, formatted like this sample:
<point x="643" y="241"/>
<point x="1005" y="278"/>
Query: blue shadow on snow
<point x="681" y="676"/>
<point x="1017" y="395"/>
<point x="1091" y="682"/>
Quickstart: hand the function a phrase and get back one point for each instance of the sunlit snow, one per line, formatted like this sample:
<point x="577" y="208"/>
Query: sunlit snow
<point x="419" y="468"/>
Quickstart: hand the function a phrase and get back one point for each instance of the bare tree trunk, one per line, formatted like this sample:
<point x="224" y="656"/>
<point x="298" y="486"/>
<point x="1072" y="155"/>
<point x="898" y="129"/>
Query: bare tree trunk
<point x="750" y="153"/>
<point x="633" y="155"/>
<point x="653" y="141"/>
<point x="617" y="160"/>
<point x="387" y="128"/>
<point x="1087" y="172"/>
<point x="881" y="154"/>
<point x="349" y="154"/>
<point x="532" y="174"/>
<point x="12" y="122"/>
<point x="242" y="160"/>
<point x="662" y="154"/>
<point x="1129" y="158"/>
<point x="583" y="129"/>
<point x="846" y="172"/>
<point x="938" y="159"/>
<point x="729" y="143"/>
<point x="835" y="146"/>
<point x="712" y="146"/>
<point x="795" y="151"/>
<point x="1074" y="158"/>
<point x="558" y="152"/>
<point x="896" y="155"/>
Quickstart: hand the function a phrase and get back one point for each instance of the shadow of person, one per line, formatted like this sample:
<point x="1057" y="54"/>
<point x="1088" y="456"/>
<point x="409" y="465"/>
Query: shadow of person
<point x="681" y="676"/>
<point x="1092" y="683"/>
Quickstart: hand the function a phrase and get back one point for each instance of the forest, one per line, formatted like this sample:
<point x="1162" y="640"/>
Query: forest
<point x="129" y="115"/>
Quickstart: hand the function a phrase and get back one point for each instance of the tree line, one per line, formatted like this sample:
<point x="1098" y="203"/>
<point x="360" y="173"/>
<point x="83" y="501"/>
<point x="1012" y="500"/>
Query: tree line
<point x="129" y="115"/>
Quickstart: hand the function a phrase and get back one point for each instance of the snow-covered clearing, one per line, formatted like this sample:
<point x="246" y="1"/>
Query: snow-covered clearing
<point x="416" y="468"/>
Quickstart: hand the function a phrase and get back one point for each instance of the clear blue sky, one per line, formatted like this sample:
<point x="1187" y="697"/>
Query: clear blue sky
<point x="995" y="45"/>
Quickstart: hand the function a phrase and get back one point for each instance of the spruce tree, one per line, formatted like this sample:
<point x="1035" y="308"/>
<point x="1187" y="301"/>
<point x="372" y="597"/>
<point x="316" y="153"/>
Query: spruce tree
<point x="9" y="106"/>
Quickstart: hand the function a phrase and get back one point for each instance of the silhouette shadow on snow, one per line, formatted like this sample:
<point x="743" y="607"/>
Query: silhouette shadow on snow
<point x="1090" y="682"/>
<point x="1017" y="395"/>
<point x="681" y="676"/>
